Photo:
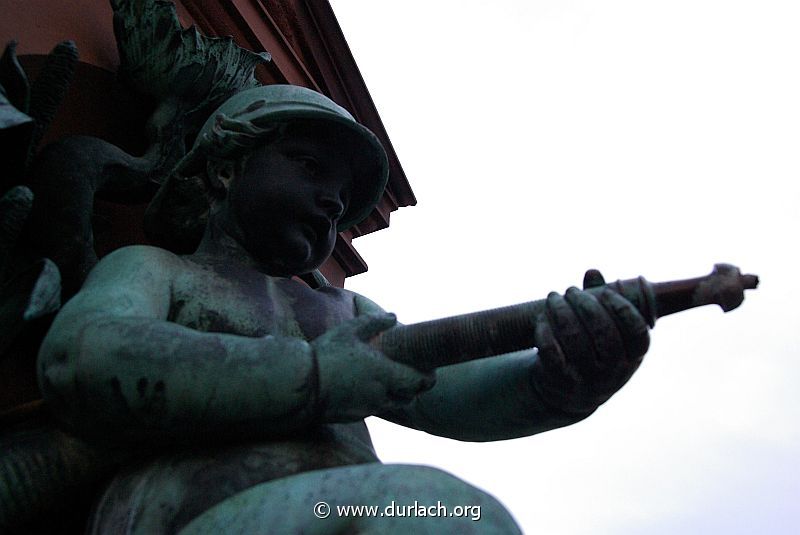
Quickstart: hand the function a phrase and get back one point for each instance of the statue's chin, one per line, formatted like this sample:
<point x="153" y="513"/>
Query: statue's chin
<point x="290" y="263"/>
<point x="291" y="253"/>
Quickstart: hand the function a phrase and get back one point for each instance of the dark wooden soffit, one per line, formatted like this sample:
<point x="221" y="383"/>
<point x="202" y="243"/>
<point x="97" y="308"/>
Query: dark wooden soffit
<point x="308" y="48"/>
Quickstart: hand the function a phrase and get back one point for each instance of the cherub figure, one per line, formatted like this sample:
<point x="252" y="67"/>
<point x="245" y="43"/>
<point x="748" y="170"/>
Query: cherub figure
<point x="248" y="388"/>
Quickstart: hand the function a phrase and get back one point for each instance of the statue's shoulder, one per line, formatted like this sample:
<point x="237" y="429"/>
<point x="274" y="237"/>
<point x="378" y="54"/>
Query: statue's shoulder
<point x="136" y="260"/>
<point x="138" y="254"/>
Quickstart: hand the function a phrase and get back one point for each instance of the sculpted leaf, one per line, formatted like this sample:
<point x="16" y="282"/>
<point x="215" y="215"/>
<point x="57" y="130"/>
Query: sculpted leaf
<point x="162" y="59"/>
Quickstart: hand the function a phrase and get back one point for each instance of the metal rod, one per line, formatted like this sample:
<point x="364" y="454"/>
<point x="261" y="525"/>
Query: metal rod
<point x="446" y="341"/>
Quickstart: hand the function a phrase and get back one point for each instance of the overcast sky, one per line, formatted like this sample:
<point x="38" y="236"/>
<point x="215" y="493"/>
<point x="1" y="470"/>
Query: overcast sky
<point x="648" y="138"/>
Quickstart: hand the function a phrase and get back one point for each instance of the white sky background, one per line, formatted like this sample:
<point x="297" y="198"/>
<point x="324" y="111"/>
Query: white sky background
<point x="642" y="138"/>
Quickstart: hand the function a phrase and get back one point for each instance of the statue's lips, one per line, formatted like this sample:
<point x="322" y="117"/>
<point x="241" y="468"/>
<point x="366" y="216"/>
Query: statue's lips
<point x="315" y="227"/>
<point x="309" y="232"/>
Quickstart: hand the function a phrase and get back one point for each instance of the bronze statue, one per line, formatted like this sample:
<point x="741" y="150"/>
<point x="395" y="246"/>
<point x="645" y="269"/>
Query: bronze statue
<point x="232" y="394"/>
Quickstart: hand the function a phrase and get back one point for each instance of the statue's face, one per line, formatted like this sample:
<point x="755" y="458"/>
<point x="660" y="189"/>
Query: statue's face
<point x="289" y="197"/>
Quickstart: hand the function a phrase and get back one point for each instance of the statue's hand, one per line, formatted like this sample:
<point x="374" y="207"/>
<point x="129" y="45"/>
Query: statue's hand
<point x="355" y="379"/>
<point x="588" y="347"/>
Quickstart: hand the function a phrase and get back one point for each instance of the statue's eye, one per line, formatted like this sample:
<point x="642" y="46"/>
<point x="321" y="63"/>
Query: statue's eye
<point x="309" y="163"/>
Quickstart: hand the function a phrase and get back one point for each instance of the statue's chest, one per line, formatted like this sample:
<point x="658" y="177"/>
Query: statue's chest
<point x="252" y="304"/>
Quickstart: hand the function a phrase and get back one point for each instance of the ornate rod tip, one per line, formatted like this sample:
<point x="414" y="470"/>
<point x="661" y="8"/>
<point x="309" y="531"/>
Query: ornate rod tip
<point x="749" y="281"/>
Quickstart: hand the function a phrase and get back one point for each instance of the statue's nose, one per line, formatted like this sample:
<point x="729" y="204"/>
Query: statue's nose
<point x="332" y="206"/>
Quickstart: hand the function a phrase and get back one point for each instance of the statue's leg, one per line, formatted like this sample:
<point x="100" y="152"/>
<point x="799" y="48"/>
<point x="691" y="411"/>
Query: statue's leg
<point x="404" y="498"/>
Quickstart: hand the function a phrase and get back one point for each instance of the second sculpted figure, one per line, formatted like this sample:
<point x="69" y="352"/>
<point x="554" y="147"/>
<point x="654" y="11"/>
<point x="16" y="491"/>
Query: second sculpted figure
<point x="248" y="388"/>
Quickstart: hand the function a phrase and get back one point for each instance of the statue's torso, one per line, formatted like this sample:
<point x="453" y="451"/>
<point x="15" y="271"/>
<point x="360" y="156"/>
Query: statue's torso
<point x="240" y="300"/>
<point x="172" y="489"/>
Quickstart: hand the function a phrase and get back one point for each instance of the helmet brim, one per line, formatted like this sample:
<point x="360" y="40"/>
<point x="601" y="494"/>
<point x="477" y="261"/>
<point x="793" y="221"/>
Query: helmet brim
<point x="283" y="104"/>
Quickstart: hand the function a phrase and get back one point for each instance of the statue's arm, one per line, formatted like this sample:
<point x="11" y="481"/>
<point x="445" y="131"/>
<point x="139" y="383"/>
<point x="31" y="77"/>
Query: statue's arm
<point x="484" y="400"/>
<point x="112" y="364"/>
<point x="588" y="347"/>
<point x="480" y="400"/>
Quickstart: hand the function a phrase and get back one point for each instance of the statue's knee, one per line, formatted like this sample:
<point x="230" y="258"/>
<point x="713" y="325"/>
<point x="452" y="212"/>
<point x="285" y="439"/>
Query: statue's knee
<point x="429" y="480"/>
<point x="427" y="491"/>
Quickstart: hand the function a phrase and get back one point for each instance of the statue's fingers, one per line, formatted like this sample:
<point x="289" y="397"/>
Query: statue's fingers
<point x="405" y="383"/>
<point x="592" y="279"/>
<point x="551" y="358"/>
<point x="368" y="326"/>
<point x="603" y="332"/>
<point x="552" y="377"/>
<point x="570" y="333"/>
<point x="631" y="324"/>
